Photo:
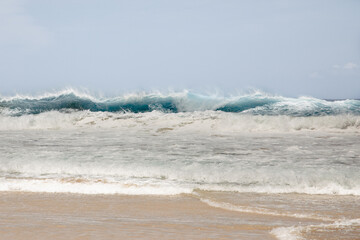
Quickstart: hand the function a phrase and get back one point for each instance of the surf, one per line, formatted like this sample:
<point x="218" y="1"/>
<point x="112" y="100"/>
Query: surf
<point x="255" y="103"/>
<point x="158" y="122"/>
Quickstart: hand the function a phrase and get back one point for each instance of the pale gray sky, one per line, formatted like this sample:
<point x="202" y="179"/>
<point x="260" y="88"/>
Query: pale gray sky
<point x="292" y="48"/>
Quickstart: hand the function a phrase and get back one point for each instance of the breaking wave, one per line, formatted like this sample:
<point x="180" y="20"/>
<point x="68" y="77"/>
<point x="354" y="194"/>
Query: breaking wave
<point x="256" y="103"/>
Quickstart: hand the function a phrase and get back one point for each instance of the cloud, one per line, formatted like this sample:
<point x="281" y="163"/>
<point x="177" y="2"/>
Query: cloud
<point x="19" y="28"/>
<point x="315" y="75"/>
<point x="350" y="65"/>
<point x="347" y="66"/>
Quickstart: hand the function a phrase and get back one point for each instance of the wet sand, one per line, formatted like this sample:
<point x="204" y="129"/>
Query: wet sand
<point x="77" y="216"/>
<point x="72" y="216"/>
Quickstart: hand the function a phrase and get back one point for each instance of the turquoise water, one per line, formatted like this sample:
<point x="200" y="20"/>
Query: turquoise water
<point x="256" y="103"/>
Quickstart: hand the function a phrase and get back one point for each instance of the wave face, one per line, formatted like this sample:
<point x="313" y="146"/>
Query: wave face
<point x="256" y="103"/>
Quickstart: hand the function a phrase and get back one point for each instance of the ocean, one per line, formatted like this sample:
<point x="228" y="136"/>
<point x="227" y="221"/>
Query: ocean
<point x="293" y="164"/>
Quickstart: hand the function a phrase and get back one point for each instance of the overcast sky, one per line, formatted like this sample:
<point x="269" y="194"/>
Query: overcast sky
<point x="292" y="48"/>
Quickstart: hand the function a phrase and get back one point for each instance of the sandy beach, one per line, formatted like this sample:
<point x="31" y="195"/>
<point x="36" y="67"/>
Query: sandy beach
<point x="73" y="216"/>
<point x="78" y="216"/>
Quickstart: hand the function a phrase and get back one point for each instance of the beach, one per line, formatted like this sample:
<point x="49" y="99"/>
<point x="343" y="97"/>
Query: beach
<point x="79" y="216"/>
<point x="72" y="216"/>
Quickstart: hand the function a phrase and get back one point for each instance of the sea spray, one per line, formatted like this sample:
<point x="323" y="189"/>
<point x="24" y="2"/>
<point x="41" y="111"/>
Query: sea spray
<point x="256" y="103"/>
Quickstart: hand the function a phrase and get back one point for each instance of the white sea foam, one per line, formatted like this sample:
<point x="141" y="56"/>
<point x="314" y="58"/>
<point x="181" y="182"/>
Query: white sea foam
<point x="287" y="233"/>
<point x="306" y="187"/>
<point x="260" y="210"/>
<point x="187" y="161"/>
<point x="208" y="121"/>
<point x="103" y="184"/>
<point x="89" y="187"/>
<point x="295" y="232"/>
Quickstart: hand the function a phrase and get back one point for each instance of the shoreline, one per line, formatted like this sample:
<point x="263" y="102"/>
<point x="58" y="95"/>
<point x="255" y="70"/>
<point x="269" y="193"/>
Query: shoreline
<point x="27" y="215"/>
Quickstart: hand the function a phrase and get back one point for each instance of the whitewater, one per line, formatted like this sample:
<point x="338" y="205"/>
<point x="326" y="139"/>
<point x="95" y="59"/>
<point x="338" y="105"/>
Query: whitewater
<point x="218" y="149"/>
<point x="175" y="143"/>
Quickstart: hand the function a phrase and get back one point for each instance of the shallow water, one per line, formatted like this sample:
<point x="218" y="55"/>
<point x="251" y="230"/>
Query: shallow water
<point x="136" y="161"/>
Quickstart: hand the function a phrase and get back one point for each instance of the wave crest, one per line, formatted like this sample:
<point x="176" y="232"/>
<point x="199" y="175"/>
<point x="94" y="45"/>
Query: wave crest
<point x="256" y="103"/>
